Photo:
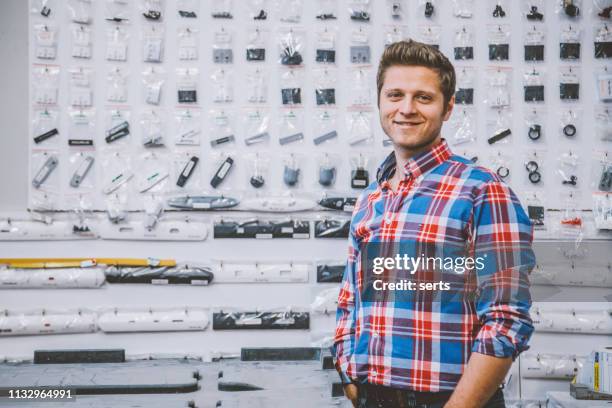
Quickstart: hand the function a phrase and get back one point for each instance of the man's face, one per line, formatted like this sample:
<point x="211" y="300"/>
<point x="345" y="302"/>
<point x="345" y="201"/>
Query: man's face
<point x="412" y="107"/>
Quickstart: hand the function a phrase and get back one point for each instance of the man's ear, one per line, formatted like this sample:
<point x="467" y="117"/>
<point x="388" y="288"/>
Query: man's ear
<point x="449" y="108"/>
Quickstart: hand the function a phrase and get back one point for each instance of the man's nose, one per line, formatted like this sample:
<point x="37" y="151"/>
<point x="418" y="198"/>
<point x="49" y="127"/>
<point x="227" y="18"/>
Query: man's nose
<point x="407" y="107"/>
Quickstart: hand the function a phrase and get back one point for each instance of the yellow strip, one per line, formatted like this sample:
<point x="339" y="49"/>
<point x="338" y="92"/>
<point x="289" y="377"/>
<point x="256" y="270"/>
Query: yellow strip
<point x="38" y="263"/>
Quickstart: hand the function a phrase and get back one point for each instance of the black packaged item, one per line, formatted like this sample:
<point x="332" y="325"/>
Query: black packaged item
<point x="536" y="215"/>
<point x="569" y="92"/>
<point x="326" y="96"/>
<point x="290" y="56"/>
<point x="499" y="52"/>
<point x="164" y="275"/>
<point x="291" y="96"/>
<point x="464" y="53"/>
<point x="499" y="136"/>
<point x="569" y="51"/>
<point x="534" y="93"/>
<point x="464" y="96"/>
<point x="187" y="14"/>
<point x="330" y="273"/>
<point x="605" y="181"/>
<point x="603" y="49"/>
<point x="45" y="136"/>
<point x="280" y="354"/>
<point x="187" y="171"/>
<point x="285" y="320"/>
<point x="534" y="132"/>
<point x="256" y="54"/>
<point x="534" y="14"/>
<point x="332" y="228"/>
<point x="326" y="56"/>
<point x="534" y="53"/>
<point x="360" y="178"/>
<point x="79" y="356"/>
<point x="222" y="172"/>
<point x="187" y="96"/>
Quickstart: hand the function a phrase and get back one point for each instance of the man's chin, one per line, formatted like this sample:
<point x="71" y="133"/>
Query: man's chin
<point x="411" y="142"/>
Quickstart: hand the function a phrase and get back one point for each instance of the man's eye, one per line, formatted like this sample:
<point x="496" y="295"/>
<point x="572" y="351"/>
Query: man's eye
<point x="394" y="95"/>
<point x="424" y="97"/>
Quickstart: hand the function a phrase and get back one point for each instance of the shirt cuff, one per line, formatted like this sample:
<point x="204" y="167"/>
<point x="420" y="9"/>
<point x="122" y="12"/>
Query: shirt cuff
<point x="497" y="346"/>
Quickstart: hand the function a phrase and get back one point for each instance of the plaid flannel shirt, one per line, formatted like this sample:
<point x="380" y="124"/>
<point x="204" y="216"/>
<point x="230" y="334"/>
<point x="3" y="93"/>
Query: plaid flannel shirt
<point x="424" y="346"/>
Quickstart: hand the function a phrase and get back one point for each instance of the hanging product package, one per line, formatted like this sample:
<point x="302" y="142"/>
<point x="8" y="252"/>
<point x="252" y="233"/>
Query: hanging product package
<point x="428" y="9"/>
<point x="81" y="87"/>
<point x="256" y="124"/>
<point x="45" y="84"/>
<point x="359" y="10"/>
<point x="360" y="51"/>
<point x="153" y="172"/>
<point x="117" y="127"/>
<point x="82" y="45"/>
<point x="534" y="41"/>
<point x="533" y="10"/>
<point x="45" y="127"/>
<point x="221" y="128"/>
<point x="152" y="10"/>
<point x="187" y="85"/>
<point x="117" y="11"/>
<point x="570" y="123"/>
<point x="291" y="87"/>
<point x="498" y="87"/>
<point x="360" y="93"/>
<point x="603" y="84"/>
<point x="569" y="42"/>
<point x="533" y="85"/>
<point x="569" y="83"/>
<point x="222" y="9"/>
<point x="117" y="171"/>
<point x="501" y="164"/>
<point x="256" y="86"/>
<point x="256" y="45"/>
<point x="534" y="123"/>
<point x="603" y="123"/>
<point x="80" y="11"/>
<point x="327" y="170"/>
<point x="117" y="40"/>
<point x="44" y="170"/>
<point x="222" y="52"/>
<point x="499" y="126"/>
<point x="499" y="42"/>
<point x="464" y="43"/>
<point x="359" y="128"/>
<point x="258" y="10"/>
<point x="188" y="8"/>
<point x="465" y="86"/>
<point x="188" y="127"/>
<point x="186" y="173"/>
<point x="291" y="45"/>
<point x="291" y="127"/>
<point x="360" y="176"/>
<point x="394" y="34"/>
<point x="290" y="11"/>
<point x="222" y="86"/>
<point x="152" y="83"/>
<point x="463" y="8"/>
<point x="602" y="37"/>
<point x="396" y="9"/>
<point x="327" y="10"/>
<point x="325" y="91"/>
<point x="116" y="85"/>
<point x="152" y="43"/>
<point x="188" y="44"/>
<point x="81" y="170"/>
<point x="292" y="172"/>
<point x="258" y="170"/>
<point x="568" y="169"/>
<point x="430" y="35"/>
<point x="325" y="127"/>
<point x="464" y="126"/>
<point x="326" y="40"/>
<point x="45" y="41"/>
<point x="152" y="128"/>
<point x="42" y="7"/>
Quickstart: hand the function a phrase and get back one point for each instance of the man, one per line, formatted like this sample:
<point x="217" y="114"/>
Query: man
<point x="432" y="354"/>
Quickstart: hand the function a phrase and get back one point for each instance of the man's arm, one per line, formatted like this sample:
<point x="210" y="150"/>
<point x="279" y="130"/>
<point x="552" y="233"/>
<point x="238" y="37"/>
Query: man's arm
<point x="502" y="238"/>
<point x="481" y="378"/>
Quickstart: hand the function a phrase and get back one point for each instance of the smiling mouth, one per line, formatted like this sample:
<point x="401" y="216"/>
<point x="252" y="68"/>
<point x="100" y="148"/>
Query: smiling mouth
<point x="407" y="123"/>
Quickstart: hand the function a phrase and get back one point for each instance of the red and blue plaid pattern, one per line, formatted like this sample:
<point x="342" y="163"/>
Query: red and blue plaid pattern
<point x="425" y="345"/>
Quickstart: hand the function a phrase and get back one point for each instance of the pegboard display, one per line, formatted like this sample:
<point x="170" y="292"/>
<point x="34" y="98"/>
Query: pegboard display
<point x="140" y="101"/>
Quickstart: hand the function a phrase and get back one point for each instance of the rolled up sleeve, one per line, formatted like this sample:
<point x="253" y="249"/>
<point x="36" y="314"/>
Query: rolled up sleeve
<point x="502" y="239"/>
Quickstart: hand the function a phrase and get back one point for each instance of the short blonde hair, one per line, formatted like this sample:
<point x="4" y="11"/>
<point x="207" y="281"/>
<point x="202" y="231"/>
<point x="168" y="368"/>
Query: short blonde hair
<point x="413" y="53"/>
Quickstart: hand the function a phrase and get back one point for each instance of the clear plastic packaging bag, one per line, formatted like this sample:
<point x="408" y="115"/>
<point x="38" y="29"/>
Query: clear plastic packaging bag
<point x="499" y="42"/>
<point x="533" y="85"/>
<point x="152" y="126"/>
<point x="464" y="43"/>
<point x="569" y="83"/>
<point x="499" y="9"/>
<point x="81" y="170"/>
<point x="463" y="8"/>
<point x="569" y="169"/>
<point x="429" y="34"/>
<point x="44" y="170"/>
<point x="499" y="126"/>
<point x="187" y="85"/>
<point x="188" y="127"/>
<point x="534" y="124"/>
<point x="325" y="127"/>
<point x="117" y="128"/>
<point x="291" y="127"/>
<point x="188" y="9"/>
<point x="325" y="91"/>
<point x="221" y="128"/>
<point x="602" y="37"/>
<point x="256" y="123"/>
<point x="117" y="40"/>
<point x="45" y="127"/>
<point x="533" y="10"/>
<point x="360" y="93"/>
<point x="81" y="87"/>
<point x="360" y="51"/>
<point x="117" y="11"/>
<point x="259" y="10"/>
<point x="222" y="86"/>
<point x="290" y="11"/>
<point x="291" y="87"/>
<point x="498" y="87"/>
<point x="465" y="86"/>
<point x="360" y="10"/>
<point x="534" y="43"/>
<point x="258" y="171"/>
<point x="603" y="123"/>
<point x="45" y="84"/>
<point x="256" y="45"/>
<point x="43" y="8"/>
<point x="117" y="85"/>
<point x="80" y="11"/>
<point x="153" y="43"/>
<point x="569" y="42"/>
<point x="501" y="164"/>
<point x="45" y="41"/>
<point x="153" y="172"/>
<point x="188" y="44"/>
<point x="153" y="80"/>
<point x="570" y="123"/>
<point x="603" y="84"/>
<point x="222" y="48"/>
<point x="428" y="9"/>
<point x="81" y="41"/>
<point x="256" y="86"/>
<point x="291" y="45"/>
<point x="81" y="127"/>
<point x="359" y="128"/>
<point x="395" y="33"/>
<point x="152" y="10"/>
<point x="463" y="125"/>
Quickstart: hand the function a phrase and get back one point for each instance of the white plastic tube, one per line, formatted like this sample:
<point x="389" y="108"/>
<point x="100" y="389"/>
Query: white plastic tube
<point x="46" y="322"/>
<point x="52" y="278"/>
<point x="149" y="320"/>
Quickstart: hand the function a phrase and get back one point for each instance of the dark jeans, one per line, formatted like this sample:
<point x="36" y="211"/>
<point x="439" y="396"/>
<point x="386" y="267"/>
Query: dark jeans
<point x="384" y="397"/>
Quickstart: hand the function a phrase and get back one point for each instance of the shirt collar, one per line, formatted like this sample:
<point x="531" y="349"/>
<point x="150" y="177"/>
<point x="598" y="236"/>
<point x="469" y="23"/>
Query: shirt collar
<point x="417" y="165"/>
